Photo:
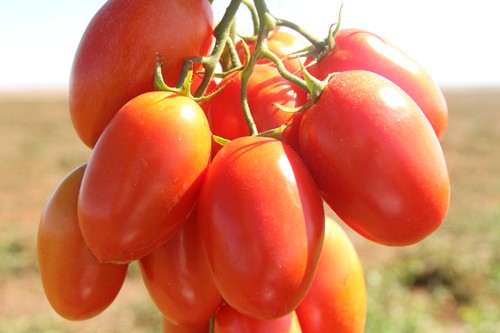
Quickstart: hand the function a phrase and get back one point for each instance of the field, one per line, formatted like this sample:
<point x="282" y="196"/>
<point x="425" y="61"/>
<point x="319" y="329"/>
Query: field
<point x="448" y="283"/>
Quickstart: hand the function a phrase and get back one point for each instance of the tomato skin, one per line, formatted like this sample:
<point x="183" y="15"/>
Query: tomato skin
<point x="362" y="50"/>
<point x="143" y="176"/>
<point x="265" y="88"/>
<point x="76" y="285"/>
<point x="115" y="59"/>
<point x="229" y="320"/>
<point x="261" y="225"/>
<point x="336" y="301"/>
<point x="179" y="280"/>
<point x="376" y="159"/>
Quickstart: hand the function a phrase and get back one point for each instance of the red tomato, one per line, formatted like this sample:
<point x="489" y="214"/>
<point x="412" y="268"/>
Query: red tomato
<point x="179" y="279"/>
<point x="77" y="286"/>
<point x="362" y="50"/>
<point x="265" y="88"/>
<point x="169" y="327"/>
<point x="376" y="159"/>
<point x="261" y="224"/>
<point x="282" y="42"/>
<point x="116" y="57"/>
<point x="229" y="320"/>
<point x="143" y="176"/>
<point x="336" y="301"/>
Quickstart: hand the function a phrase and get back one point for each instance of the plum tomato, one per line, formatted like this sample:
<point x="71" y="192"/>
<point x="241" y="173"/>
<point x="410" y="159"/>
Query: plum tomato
<point x="336" y="301"/>
<point x="228" y="320"/>
<point x="261" y="221"/>
<point x="143" y="176"/>
<point x="116" y="55"/>
<point x="376" y="159"/>
<point x="76" y="285"/>
<point x="179" y="280"/>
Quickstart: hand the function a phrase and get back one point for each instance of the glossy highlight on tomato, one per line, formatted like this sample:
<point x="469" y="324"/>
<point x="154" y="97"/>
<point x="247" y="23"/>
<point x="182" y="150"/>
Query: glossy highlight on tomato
<point x="376" y="159"/>
<point x="77" y="286"/>
<point x="116" y="56"/>
<point x="261" y="223"/>
<point x="143" y="176"/>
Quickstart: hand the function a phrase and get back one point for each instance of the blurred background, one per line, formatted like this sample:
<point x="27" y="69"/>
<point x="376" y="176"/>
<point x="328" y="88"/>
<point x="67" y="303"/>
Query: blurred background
<point x="450" y="282"/>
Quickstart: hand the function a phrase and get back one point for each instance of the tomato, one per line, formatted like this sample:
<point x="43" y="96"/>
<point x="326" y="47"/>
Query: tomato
<point x="261" y="225"/>
<point x="116" y="57"/>
<point x="77" y="286"/>
<point x="143" y="176"/>
<point x="376" y="159"/>
<point x="362" y="50"/>
<point x="265" y="88"/>
<point x="169" y="327"/>
<point x="282" y="42"/>
<point x="179" y="279"/>
<point x="336" y="301"/>
<point x="229" y="320"/>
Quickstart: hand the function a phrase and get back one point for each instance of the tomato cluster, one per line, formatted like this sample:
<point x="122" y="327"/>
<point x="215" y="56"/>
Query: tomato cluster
<point x="227" y="225"/>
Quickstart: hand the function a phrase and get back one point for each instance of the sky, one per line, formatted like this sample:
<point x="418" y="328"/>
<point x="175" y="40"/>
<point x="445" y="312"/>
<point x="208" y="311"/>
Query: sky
<point x="456" y="41"/>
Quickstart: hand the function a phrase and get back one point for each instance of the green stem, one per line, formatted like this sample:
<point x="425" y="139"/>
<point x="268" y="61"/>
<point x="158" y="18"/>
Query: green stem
<point x="221" y="34"/>
<point x="321" y="49"/>
<point x="233" y="54"/>
<point x="266" y="24"/>
<point x="335" y="28"/>
<point x="252" y="127"/>
<point x="255" y="15"/>
<point x="285" y="73"/>
<point x="182" y="89"/>
<point x="211" y="327"/>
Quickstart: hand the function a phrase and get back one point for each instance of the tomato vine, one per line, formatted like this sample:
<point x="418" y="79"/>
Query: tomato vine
<point x="264" y="22"/>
